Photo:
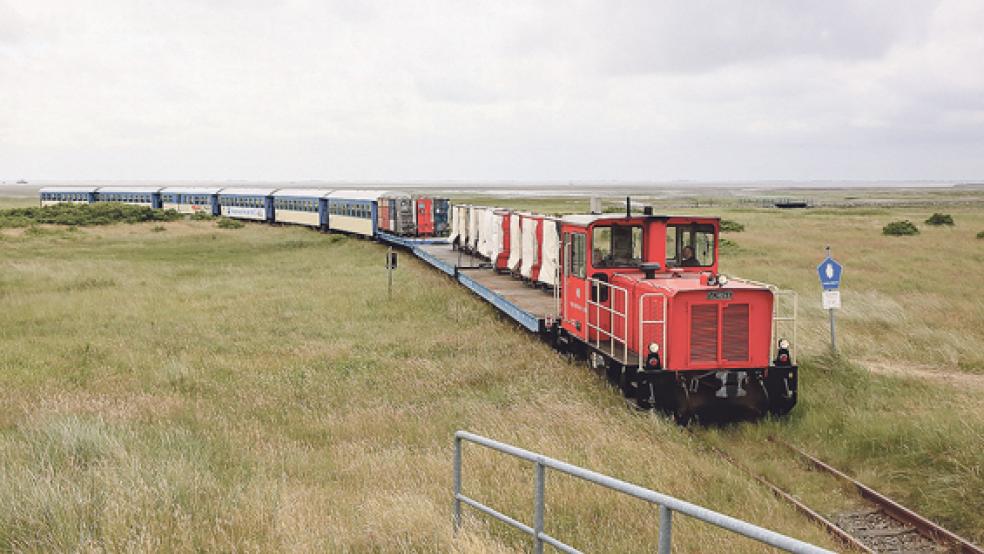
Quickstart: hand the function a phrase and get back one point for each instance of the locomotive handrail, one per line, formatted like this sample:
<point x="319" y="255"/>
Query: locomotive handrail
<point x="776" y="318"/>
<point x="667" y="504"/>
<point x="613" y="338"/>
<point x="661" y="322"/>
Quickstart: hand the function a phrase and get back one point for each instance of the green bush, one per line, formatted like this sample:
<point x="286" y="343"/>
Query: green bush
<point x="159" y="228"/>
<point x="940" y="219"/>
<point x="728" y="226"/>
<point x="900" y="228"/>
<point x="201" y="216"/>
<point x="980" y="235"/>
<point x="226" y="223"/>
<point x="726" y="246"/>
<point x="103" y="213"/>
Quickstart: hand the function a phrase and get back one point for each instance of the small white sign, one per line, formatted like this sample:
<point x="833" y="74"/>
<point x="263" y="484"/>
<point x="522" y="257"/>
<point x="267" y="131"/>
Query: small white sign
<point x="831" y="299"/>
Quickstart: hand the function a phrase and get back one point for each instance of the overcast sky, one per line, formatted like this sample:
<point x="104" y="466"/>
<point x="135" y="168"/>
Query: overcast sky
<point x="498" y="90"/>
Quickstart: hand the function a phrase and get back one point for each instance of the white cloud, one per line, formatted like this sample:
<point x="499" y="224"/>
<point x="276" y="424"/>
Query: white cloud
<point x="505" y="90"/>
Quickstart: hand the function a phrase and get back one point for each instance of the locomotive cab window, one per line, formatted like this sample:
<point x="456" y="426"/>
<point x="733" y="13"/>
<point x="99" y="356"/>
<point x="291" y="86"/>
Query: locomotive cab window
<point x="690" y="245"/>
<point x="576" y="255"/>
<point x="616" y="246"/>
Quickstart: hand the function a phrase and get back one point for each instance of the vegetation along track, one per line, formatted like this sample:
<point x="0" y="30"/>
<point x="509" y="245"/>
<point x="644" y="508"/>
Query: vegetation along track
<point x="882" y="525"/>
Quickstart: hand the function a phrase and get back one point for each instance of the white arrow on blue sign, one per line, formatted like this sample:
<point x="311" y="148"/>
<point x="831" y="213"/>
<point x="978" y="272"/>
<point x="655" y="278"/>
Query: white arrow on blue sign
<point x="830" y="273"/>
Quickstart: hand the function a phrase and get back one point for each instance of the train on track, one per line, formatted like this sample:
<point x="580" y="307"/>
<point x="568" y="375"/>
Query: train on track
<point x="638" y="295"/>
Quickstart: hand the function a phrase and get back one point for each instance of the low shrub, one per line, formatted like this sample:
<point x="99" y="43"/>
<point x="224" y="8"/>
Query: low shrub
<point x="201" y="216"/>
<point x="728" y="226"/>
<point x="104" y="213"/>
<point x="980" y="235"/>
<point x="226" y="223"/>
<point x="159" y="228"/>
<point x="900" y="228"/>
<point x="727" y="246"/>
<point x="940" y="219"/>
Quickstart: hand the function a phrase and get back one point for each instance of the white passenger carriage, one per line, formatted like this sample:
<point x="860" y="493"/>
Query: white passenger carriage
<point x="246" y="203"/>
<point x="149" y="197"/>
<point x="191" y="200"/>
<point x="353" y="211"/>
<point x="301" y="207"/>
<point x="73" y="195"/>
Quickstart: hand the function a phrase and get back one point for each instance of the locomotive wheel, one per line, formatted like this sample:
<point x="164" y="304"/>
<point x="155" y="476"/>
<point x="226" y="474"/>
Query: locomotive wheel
<point x="682" y="410"/>
<point x="626" y="382"/>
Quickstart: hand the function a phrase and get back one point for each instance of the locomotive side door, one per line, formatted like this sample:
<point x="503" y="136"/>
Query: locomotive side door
<point x="574" y="279"/>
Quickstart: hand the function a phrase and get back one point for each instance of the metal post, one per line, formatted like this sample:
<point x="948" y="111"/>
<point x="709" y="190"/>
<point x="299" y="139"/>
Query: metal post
<point x="538" y="508"/>
<point x="389" y="271"/>
<point x="457" y="483"/>
<point x="665" y="529"/>
<point x="833" y="336"/>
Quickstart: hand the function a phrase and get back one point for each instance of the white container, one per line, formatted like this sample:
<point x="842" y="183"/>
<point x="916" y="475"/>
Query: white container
<point x="529" y="245"/>
<point x="550" y="252"/>
<point x="515" y="242"/>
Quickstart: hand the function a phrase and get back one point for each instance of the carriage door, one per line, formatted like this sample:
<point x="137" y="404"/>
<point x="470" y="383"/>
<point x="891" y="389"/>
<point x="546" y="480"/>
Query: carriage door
<point x="574" y="273"/>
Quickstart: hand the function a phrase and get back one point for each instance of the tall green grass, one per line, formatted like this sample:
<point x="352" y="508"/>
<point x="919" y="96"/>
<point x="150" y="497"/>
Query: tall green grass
<point x="257" y="390"/>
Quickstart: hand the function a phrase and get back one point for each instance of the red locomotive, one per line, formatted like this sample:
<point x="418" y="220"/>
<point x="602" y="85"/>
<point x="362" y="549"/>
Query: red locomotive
<point x="642" y="298"/>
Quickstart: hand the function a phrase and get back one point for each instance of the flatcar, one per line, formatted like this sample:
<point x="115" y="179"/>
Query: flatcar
<point x="191" y="200"/>
<point x="254" y="204"/>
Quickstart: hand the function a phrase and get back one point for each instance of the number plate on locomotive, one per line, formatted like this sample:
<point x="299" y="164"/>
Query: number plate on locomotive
<point x="719" y="295"/>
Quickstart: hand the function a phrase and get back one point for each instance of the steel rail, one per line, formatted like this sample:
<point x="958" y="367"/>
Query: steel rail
<point x="843" y="536"/>
<point x="924" y="526"/>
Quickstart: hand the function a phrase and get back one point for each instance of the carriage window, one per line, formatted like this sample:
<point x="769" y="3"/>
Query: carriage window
<point x="576" y="263"/>
<point x="616" y="246"/>
<point x="692" y="245"/>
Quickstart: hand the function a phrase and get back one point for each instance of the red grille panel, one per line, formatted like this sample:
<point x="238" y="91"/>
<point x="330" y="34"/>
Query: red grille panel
<point x="735" y="333"/>
<point x="704" y="333"/>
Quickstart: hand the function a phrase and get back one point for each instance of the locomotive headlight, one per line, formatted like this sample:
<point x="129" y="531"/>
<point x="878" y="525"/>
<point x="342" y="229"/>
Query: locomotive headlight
<point x="784" y="344"/>
<point x="722" y="280"/>
<point x="653" y="347"/>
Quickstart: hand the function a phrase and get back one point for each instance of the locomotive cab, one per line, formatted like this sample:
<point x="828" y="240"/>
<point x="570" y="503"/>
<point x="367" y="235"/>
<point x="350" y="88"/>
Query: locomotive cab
<point x="642" y="297"/>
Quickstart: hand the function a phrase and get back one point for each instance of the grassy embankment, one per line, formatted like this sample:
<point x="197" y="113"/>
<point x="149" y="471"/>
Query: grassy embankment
<point x="254" y="389"/>
<point x="903" y="408"/>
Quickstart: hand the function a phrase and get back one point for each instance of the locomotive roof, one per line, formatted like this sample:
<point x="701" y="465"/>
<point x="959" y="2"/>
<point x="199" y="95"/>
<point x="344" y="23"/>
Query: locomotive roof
<point x="247" y="191"/>
<point x="192" y="190"/>
<point x="588" y="219"/>
<point x="302" y="193"/>
<point x="68" y="189"/>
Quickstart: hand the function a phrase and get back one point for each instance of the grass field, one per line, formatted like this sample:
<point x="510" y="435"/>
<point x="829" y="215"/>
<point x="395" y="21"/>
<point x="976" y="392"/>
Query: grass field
<point x="254" y="389"/>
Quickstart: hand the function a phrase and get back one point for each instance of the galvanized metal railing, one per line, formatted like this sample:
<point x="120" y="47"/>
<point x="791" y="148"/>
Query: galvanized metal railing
<point x="667" y="504"/>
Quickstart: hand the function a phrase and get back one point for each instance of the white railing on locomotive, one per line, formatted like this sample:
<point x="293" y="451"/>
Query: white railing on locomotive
<point x="777" y="319"/>
<point x="598" y="306"/>
<point x="661" y="322"/>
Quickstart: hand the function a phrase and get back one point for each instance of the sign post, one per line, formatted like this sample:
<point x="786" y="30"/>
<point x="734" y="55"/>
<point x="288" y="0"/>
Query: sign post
<point x="830" y="277"/>
<point x="390" y="266"/>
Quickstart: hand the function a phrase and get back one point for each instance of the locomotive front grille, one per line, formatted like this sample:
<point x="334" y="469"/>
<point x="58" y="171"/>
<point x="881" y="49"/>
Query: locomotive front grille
<point x="734" y="335"/>
<point x="719" y="333"/>
<point x="704" y="333"/>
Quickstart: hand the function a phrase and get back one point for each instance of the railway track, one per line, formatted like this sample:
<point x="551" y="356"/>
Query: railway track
<point x="883" y="525"/>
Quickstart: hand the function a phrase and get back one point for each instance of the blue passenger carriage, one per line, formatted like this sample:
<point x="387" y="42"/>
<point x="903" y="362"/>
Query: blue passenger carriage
<point x="73" y="195"/>
<point x="191" y="200"/>
<point x="353" y="211"/>
<point x="301" y="207"/>
<point x="135" y="196"/>
<point x="243" y="203"/>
